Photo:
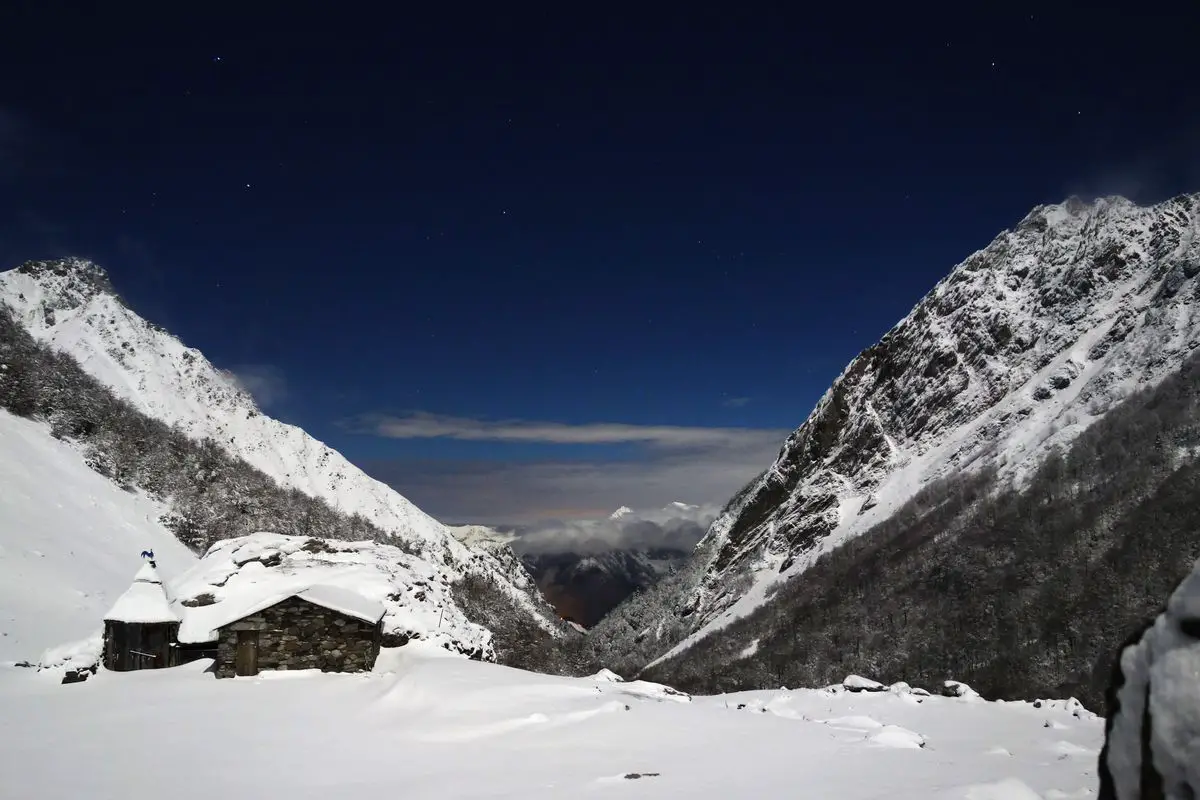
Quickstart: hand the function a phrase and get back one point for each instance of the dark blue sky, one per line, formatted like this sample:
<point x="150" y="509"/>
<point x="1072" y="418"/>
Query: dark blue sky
<point x="655" y="219"/>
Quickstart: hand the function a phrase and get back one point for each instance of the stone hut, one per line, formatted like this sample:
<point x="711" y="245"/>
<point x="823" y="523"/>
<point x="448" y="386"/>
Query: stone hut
<point x="140" y="630"/>
<point x="323" y="627"/>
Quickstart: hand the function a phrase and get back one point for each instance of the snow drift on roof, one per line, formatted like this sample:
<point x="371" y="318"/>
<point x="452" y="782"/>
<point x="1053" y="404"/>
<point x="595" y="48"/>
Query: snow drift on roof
<point x="148" y="574"/>
<point x="200" y="624"/>
<point x="344" y="601"/>
<point x="144" y="601"/>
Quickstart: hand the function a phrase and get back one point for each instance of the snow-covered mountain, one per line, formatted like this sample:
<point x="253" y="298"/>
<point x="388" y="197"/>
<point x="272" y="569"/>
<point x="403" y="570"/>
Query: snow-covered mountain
<point x="71" y="305"/>
<point x="1017" y="350"/>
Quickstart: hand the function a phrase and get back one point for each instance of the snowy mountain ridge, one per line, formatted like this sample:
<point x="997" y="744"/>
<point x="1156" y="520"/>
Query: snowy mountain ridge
<point x="70" y="305"/>
<point x="1016" y="351"/>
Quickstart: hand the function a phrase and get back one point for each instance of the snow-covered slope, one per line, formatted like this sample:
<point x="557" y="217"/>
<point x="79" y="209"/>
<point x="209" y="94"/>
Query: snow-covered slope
<point x="70" y="541"/>
<point x="70" y="305"/>
<point x="1017" y="350"/>
<point x="426" y="724"/>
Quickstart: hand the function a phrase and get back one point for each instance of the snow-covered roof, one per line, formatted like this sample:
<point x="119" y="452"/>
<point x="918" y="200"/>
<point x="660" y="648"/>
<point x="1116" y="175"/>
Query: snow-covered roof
<point x="346" y="601"/>
<point x="200" y="623"/>
<point x="233" y="579"/>
<point x="148" y="574"/>
<point x="144" y="601"/>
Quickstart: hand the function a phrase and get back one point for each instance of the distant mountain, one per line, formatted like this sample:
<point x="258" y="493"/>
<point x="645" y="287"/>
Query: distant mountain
<point x="586" y="567"/>
<point x="481" y="536"/>
<point x="583" y="587"/>
<point x="1020" y="349"/>
<point x="144" y="376"/>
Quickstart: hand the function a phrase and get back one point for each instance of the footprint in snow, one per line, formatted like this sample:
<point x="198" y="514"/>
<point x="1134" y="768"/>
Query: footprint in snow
<point x="1066" y="749"/>
<point x="1008" y="789"/>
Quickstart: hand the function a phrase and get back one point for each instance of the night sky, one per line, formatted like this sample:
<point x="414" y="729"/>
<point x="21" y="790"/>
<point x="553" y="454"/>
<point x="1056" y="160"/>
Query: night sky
<point x="535" y="264"/>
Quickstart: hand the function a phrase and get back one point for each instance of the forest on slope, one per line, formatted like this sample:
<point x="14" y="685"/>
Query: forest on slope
<point x="1021" y="592"/>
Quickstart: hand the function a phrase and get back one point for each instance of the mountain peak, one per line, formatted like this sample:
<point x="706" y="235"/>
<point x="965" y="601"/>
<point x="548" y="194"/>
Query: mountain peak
<point x="623" y="511"/>
<point x="78" y="273"/>
<point x="68" y="283"/>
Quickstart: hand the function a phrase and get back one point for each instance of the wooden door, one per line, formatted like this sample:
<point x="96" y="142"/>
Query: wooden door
<point x="245" y="661"/>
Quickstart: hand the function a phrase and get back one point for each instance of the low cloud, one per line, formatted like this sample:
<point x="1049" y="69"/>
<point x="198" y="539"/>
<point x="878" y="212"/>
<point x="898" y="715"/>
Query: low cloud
<point x="265" y="383"/>
<point x="675" y="528"/>
<point x="537" y="493"/>
<point x="704" y="466"/>
<point x="423" y="425"/>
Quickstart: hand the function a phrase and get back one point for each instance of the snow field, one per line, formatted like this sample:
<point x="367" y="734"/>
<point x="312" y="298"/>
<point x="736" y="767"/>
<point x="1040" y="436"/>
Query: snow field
<point x="429" y="724"/>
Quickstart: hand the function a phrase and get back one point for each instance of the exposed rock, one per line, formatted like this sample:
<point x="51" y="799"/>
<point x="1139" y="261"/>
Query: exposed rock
<point x="959" y="689"/>
<point x="857" y="683"/>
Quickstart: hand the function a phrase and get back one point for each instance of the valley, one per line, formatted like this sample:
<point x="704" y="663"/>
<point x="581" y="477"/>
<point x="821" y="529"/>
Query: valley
<point x="997" y="492"/>
<point x="556" y="401"/>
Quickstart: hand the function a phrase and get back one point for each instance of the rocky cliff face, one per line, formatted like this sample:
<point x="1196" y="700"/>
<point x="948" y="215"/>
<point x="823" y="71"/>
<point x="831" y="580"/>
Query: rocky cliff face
<point x="1017" y="350"/>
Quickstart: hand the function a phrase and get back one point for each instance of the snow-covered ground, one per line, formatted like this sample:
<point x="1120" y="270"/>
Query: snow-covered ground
<point x="428" y="724"/>
<point x="69" y="542"/>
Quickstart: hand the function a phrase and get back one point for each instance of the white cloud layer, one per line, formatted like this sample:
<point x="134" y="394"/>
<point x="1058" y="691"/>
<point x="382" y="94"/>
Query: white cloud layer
<point x="705" y="466"/>
<point x="423" y="425"/>
<point x="676" y="527"/>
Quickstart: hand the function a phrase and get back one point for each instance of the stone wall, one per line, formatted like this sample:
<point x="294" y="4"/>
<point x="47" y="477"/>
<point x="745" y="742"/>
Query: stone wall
<point x="296" y="634"/>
